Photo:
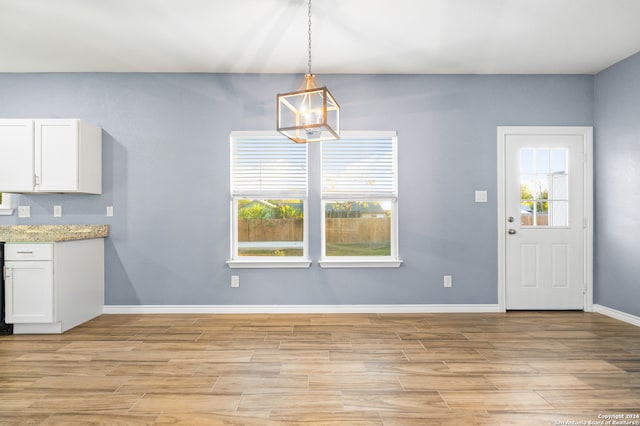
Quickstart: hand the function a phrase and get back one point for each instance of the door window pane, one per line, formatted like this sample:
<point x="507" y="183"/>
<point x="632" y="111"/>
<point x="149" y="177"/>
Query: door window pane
<point x="559" y="187"/>
<point x="542" y="160"/>
<point x="541" y="206"/>
<point x="559" y="213"/>
<point x="558" y="160"/>
<point x="526" y="161"/>
<point x="527" y="187"/>
<point x="526" y="213"/>
<point x="544" y="193"/>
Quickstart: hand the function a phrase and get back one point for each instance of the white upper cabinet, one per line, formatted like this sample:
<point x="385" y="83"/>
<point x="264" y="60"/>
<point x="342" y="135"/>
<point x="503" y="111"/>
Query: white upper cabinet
<point x="16" y="156"/>
<point x="50" y="155"/>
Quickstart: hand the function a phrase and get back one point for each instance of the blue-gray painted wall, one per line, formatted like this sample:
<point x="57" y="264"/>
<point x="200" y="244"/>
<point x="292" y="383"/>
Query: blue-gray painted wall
<point x="166" y="172"/>
<point x="617" y="186"/>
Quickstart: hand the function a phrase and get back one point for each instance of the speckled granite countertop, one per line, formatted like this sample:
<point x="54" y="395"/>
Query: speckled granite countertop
<point x="51" y="233"/>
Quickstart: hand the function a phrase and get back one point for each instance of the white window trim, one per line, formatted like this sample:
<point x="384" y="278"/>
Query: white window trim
<point x="266" y="262"/>
<point x="360" y="263"/>
<point x="391" y="261"/>
<point x="5" y="207"/>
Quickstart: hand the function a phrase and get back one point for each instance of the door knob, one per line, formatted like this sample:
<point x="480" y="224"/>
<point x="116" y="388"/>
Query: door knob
<point x="511" y="231"/>
<point x="511" y="219"/>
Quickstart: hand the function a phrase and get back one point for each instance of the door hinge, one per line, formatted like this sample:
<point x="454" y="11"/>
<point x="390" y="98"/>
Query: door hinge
<point x="36" y="180"/>
<point x="5" y="273"/>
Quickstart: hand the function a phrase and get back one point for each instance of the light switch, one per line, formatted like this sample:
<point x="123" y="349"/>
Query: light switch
<point x="481" y="196"/>
<point x="448" y="281"/>
<point x="24" y="211"/>
<point x="57" y="211"/>
<point x="109" y="210"/>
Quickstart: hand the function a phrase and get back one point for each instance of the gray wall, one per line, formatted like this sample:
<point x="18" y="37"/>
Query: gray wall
<point x="166" y="172"/>
<point x="617" y="186"/>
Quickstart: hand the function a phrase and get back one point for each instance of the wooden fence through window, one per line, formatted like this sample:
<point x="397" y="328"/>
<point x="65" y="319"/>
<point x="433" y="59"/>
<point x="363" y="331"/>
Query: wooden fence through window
<point x="541" y="220"/>
<point x="358" y="230"/>
<point x="339" y="230"/>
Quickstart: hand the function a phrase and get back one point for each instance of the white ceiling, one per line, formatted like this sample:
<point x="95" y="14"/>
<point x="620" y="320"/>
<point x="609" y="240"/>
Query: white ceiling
<point x="349" y="36"/>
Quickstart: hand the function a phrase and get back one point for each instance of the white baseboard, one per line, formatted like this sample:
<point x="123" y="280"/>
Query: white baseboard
<point x="297" y="309"/>
<point x="619" y="315"/>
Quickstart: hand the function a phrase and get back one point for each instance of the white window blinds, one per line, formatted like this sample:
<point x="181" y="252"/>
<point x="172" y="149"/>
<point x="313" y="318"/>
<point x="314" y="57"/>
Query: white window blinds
<point x="362" y="166"/>
<point x="264" y="165"/>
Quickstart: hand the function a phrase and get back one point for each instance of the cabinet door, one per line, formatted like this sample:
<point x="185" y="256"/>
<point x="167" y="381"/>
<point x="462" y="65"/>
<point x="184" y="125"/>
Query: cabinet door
<point x="56" y="155"/>
<point x="29" y="296"/>
<point x="16" y="155"/>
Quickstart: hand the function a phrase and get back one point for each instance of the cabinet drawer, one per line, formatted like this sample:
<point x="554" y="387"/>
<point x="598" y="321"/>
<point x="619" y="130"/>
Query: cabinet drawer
<point x="28" y="251"/>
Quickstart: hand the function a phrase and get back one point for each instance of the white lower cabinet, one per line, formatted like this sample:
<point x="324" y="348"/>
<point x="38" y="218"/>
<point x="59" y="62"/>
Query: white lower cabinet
<point x="52" y="287"/>
<point x="29" y="292"/>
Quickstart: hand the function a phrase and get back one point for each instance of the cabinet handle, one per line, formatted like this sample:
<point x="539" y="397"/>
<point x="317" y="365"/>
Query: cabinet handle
<point x="25" y="252"/>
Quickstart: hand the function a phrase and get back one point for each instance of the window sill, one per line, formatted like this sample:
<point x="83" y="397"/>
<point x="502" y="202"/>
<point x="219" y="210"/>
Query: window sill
<point x="365" y="263"/>
<point x="6" y="212"/>
<point x="268" y="264"/>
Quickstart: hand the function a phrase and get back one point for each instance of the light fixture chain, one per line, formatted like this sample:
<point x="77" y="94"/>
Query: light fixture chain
<point x="309" y="16"/>
<point x="310" y="114"/>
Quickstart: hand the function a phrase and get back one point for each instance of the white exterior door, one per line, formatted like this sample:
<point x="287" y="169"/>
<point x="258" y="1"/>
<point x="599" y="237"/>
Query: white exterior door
<point x="545" y="216"/>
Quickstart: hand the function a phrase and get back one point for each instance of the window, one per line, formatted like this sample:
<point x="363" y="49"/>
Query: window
<point x="544" y="187"/>
<point x="268" y="201"/>
<point x="5" y="204"/>
<point x="360" y="201"/>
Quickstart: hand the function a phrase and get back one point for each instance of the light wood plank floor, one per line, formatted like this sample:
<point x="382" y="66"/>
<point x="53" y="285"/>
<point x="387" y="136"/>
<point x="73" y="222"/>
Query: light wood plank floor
<point x="537" y="368"/>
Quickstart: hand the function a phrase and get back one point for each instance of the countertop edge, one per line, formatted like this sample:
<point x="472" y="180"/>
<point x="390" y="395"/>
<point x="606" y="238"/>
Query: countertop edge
<point x="51" y="233"/>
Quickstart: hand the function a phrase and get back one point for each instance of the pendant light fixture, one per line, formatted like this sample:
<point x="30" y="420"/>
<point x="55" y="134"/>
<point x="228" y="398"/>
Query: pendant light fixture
<point x="311" y="113"/>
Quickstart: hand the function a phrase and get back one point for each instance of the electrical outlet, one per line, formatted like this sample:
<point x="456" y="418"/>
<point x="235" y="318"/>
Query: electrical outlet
<point x="109" y="211"/>
<point x="235" y="281"/>
<point x="24" y="211"/>
<point x="57" y="211"/>
<point x="448" y="281"/>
